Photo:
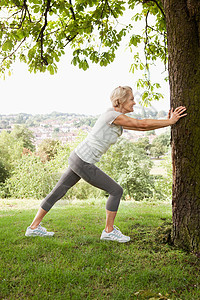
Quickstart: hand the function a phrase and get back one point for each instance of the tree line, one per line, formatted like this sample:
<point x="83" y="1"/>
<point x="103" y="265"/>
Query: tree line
<point x="79" y="119"/>
<point x="6" y="121"/>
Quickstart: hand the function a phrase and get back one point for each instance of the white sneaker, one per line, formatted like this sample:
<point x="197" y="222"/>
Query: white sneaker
<point x="39" y="231"/>
<point x="114" y="235"/>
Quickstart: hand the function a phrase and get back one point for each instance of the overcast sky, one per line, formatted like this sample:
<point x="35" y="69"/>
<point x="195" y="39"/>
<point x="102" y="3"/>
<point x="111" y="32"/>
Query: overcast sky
<point x="72" y="89"/>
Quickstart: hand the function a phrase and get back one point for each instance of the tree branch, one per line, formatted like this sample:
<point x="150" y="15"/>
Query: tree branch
<point x="11" y="54"/>
<point x="41" y="35"/>
<point x="23" y="11"/>
<point x="111" y="9"/>
<point x="103" y="9"/>
<point x="145" y="46"/>
<point x="72" y="11"/>
<point x="26" y="9"/>
<point x="14" y="14"/>
<point x="153" y="29"/>
<point x="158" y="5"/>
<point x="70" y="39"/>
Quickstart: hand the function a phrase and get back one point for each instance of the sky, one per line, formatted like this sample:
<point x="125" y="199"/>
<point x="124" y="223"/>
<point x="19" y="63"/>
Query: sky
<point x="72" y="90"/>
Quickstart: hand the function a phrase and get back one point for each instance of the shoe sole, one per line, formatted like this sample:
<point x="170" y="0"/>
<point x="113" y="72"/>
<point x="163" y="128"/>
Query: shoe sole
<point x="34" y="235"/>
<point x="107" y="239"/>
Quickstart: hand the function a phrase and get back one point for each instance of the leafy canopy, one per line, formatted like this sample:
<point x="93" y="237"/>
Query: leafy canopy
<point x="37" y="32"/>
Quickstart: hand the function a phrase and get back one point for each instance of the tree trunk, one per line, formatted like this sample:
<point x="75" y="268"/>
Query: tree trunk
<point x="183" y="31"/>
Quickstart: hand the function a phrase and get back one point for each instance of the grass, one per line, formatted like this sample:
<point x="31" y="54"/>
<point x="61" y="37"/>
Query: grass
<point x="75" y="264"/>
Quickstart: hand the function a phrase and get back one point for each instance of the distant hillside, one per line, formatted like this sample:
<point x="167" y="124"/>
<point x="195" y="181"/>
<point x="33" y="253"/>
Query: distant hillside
<point x="76" y="120"/>
<point x="65" y="127"/>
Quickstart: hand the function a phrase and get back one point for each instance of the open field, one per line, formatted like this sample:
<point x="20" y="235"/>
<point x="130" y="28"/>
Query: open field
<point x="158" y="168"/>
<point x="75" y="264"/>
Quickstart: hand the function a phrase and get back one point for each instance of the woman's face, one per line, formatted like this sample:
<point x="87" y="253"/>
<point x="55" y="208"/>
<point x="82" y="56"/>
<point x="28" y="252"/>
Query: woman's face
<point x="127" y="106"/>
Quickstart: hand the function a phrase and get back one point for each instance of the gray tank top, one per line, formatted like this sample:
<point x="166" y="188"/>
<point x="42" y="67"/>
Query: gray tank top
<point x="103" y="135"/>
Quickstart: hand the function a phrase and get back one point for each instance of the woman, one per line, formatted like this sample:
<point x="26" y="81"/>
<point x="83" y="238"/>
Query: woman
<point x="82" y="160"/>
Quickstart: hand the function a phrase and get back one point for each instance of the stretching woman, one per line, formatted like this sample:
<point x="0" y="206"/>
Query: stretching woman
<point x="82" y="160"/>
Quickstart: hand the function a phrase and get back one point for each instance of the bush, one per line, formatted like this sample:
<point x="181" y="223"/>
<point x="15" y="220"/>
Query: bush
<point x="3" y="172"/>
<point x="29" y="179"/>
<point x="163" y="184"/>
<point x="48" y="149"/>
<point x="10" y="152"/>
<point x="32" y="178"/>
<point x="160" y="145"/>
<point x="130" y="167"/>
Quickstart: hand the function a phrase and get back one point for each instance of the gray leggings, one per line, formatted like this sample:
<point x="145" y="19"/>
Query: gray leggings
<point x="89" y="172"/>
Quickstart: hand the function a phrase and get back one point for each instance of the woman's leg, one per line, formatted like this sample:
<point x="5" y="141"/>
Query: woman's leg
<point x="68" y="179"/>
<point x="38" y="218"/>
<point x="104" y="182"/>
<point x="99" y="179"/>
<point x="110" y="218"/>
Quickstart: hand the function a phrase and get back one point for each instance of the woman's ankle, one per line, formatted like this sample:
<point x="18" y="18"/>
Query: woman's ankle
<point x="109" y="229"/>
<point x="38" y="218"/>
<point x="33" y="226"/>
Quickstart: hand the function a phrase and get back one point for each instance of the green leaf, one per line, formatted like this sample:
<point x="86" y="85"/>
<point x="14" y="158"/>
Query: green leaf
<point x="74" y="61"/>
<point x="57" y="58"/>
<point x="141" y="66"/>
<point x="145" y="95"/>
<point x="31" y="53"/>
<point x="132" y="69"/>
<point x="7" y="45"/>
<point x="36" y="9"/>
<point x="51" y="69"/>
<point x="84" y="65"/>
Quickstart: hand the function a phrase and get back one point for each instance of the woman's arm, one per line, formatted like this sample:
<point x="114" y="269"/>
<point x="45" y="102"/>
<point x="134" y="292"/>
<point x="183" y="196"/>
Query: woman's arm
<point x="150" y="124"/>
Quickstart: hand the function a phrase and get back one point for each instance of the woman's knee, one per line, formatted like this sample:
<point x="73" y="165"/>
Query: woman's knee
<point x="118" y="191"/>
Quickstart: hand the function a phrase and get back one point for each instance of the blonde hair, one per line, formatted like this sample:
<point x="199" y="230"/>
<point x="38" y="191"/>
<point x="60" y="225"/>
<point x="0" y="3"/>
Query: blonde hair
<point x="119" y="95"/>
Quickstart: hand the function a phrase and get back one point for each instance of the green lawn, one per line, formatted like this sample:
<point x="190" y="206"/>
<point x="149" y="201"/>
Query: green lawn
<point x="75" y="264"/>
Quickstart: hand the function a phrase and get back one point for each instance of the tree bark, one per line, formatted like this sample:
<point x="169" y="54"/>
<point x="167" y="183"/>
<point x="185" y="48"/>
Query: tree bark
<point x="183" y="32"/>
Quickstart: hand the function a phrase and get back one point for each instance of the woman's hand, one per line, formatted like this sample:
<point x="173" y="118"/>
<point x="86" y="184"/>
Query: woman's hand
<point x="174" y="116"/>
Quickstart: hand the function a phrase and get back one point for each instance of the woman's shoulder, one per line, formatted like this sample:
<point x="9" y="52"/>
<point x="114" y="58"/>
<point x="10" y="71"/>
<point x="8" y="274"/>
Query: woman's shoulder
<point x="112" y="111"/>
<point x="110" y="115"/>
